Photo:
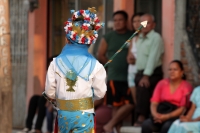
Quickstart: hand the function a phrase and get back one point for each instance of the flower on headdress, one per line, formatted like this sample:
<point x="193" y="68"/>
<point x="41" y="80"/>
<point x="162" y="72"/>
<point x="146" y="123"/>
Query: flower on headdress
<point x="72" y="11"/>
<point x="96" y="20"/>
<point x="81" y="11"/>
<point x="88" y="40"/>
<point x="92" y="15"/>
<point x="87" y="19"/>
<point x="74" y="36"/>
<point x="77" y="38"/>
<point x="73" y="17"/>
<point x="87" y="11"/>
<point x="97" y="27"/>
<point x="70" y="28"/>
<point x="95" y="34"/>
<point x="83" y="40"/>
<point x="85" y="27"/>
<point x="66" y="23"/>
<point x="76" y="14"/>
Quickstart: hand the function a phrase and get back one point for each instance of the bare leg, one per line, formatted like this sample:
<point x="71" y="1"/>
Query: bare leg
<point x="118" y="126"/>
<point x="139" y="121"/>
<point x="118" y="116"/>
<point x="37" y="131"/>
<point x="133" y="93"/>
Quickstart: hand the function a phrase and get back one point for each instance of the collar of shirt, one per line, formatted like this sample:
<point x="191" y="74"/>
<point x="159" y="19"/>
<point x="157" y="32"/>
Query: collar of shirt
<point x="148" y="35"/>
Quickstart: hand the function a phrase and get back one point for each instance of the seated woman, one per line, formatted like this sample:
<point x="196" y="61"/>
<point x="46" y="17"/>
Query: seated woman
<point x="190" y="122"/>
<point x="169" y="100"/>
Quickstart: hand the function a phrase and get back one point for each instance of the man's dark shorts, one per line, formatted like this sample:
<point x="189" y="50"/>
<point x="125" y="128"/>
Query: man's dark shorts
<point x="118" y="93"/>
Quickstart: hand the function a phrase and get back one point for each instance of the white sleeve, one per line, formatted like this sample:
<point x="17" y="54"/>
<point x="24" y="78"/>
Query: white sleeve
<point x="99" y="83"/>
<point x="50" y="85"/>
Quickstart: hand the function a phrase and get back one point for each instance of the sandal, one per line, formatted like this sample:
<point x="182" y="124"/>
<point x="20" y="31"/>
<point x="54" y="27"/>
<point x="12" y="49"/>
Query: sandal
<point x="138" y="123"/>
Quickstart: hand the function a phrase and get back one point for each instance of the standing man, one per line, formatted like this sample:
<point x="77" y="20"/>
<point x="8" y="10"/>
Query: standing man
<point x="118" y="93"/>
<point x="150" y="49"/>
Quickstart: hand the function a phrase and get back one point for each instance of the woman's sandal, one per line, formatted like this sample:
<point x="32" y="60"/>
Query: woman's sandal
<point x="138" y="123"/>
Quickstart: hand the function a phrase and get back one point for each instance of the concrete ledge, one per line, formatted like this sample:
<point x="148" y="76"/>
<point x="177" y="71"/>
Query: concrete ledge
<point x="130" y="129"/>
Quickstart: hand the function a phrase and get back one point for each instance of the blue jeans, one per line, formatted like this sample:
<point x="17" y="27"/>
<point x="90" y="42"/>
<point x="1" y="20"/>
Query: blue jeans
<point x="50" y="119"/>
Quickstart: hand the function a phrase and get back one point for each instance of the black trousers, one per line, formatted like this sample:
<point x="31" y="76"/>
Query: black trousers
<point x="143" y="94"/>
<point x="36" y="102"/>
<point x="149" y="126"/>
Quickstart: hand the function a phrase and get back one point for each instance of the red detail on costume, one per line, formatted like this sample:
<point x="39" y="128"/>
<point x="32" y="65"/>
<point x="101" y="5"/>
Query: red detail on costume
<point x="88" y="19"/>
<point x="97" y="27"/>
<point x="91" y="38"/>
<point x="56" y="124"/>
<point x="83" y="40"/>
<point x="84" y="27"/>
<point x="97" y="20"/>
<point x="65" y="23"/>
<point x="74" y="37"/>
<point x="73" y="17"/>
<point x="81" y="11"/>
<point x="69" y="28"/>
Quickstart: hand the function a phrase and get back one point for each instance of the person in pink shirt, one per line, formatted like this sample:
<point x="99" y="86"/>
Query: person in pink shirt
<point x="170" y="100"/>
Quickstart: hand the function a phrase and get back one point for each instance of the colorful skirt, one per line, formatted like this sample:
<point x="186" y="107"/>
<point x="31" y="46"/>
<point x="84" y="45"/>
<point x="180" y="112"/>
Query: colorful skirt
<point x="184" y="127"/>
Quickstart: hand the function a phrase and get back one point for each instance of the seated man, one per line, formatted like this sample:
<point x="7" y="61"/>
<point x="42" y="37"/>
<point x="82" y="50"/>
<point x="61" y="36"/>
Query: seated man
<point x="118" y="94"/>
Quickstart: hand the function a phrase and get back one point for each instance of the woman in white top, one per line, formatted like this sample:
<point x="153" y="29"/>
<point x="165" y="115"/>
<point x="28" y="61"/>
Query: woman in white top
<point x="132" y="56"/>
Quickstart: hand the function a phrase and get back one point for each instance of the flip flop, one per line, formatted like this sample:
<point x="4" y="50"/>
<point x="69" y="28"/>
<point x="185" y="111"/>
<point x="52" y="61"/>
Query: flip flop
<point x="138" y="123"/>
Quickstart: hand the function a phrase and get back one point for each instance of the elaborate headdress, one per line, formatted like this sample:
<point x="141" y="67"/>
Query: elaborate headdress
<point x="83" y="26"/>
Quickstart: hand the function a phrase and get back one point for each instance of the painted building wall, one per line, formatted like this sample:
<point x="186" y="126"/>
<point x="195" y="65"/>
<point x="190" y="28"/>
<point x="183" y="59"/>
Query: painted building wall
<point x="168" y="13"/>
<point x="126" y="5"/>
<point x="37" y="49"/>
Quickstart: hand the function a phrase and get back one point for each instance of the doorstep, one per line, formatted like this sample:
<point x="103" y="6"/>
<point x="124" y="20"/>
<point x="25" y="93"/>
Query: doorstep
<point x="130" y="129"/>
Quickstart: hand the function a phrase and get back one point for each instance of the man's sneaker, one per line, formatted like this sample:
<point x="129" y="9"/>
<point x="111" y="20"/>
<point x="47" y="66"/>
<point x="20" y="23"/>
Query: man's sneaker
<point x="25" y="130"/>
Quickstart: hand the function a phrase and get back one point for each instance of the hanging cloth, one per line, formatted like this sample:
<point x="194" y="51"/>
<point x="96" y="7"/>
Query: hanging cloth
<point x="75" y="60"/>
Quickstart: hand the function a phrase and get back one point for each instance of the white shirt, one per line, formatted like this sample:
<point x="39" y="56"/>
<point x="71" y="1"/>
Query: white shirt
<point x="56" y="86"/>
<point x="132" y="67"/>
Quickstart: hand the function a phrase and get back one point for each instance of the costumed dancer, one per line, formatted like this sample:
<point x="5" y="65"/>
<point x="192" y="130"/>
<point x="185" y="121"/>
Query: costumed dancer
<point x="75" y="78"/>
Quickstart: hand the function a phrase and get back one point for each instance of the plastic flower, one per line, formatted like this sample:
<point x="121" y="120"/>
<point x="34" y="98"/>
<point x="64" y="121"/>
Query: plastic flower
<point x="96" y="20"/>
<point x="85" y="27"/>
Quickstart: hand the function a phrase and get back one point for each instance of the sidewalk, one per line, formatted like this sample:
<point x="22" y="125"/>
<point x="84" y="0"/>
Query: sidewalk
<point x="130" y="129"/>
<point x="44" y="126"/>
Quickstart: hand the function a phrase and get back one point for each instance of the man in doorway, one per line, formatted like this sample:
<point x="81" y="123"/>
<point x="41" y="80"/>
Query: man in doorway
<point x="150" y="49"/>
<point x="118" y="93"/>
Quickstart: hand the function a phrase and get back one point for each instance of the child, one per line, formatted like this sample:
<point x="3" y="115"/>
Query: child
<point x="190" y="122"/>
<point x="74" y="72"/>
